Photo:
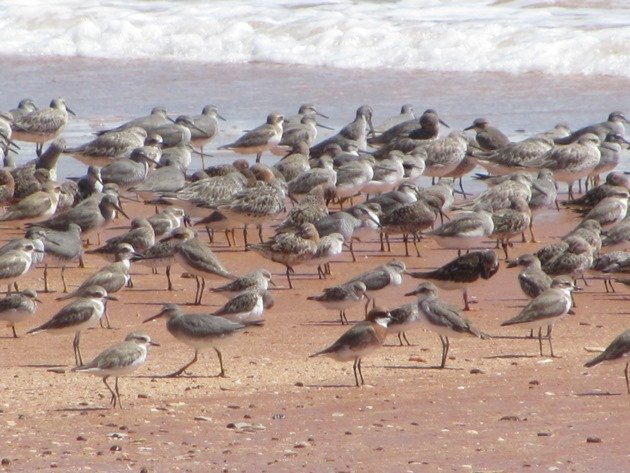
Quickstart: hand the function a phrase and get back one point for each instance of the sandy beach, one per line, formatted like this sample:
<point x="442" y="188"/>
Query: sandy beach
<point x="497" y="407"/>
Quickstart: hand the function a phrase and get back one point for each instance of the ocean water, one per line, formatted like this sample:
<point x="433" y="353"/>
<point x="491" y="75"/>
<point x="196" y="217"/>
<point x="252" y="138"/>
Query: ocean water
<point x="526" y="65"/>
<point x="547" y="36"/>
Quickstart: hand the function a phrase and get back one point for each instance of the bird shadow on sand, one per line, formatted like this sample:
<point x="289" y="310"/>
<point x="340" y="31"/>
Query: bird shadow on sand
<point x="332" y="386"/>
<point x="181" y="376"/>
<point x="409" y="367"/>
<point x="46" y="366"/>
<point x="509" y="357"/>
<point x="597" y="394"/>
<point x="82" y="409"/>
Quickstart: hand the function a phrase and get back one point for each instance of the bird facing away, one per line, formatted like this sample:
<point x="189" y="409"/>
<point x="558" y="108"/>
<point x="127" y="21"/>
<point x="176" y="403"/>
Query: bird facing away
<point x="441" y="318"/>
<point x="617" y="351"/>
<point x="359" y="341"/>
<point x="199" y="331"/>
<point x="119" y="360"/>
<point x="341" y="298"/>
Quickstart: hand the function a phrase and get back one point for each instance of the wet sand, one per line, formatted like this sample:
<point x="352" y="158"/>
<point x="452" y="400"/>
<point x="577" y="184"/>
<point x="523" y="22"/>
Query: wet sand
<point x="497" y="407"/>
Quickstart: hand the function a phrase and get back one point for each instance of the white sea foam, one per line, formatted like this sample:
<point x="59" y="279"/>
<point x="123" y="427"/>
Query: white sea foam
<point x="556" y="37"/>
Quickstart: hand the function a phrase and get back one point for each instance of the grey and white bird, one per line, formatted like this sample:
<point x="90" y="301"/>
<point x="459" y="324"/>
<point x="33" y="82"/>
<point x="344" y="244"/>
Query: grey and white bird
<point x="259" y="279"/>
<point x="196" y="257"/>
<point x="199" y="331"/>
<point x="127" y="172"/>
<point x="487" y="136"/>
<point x="109" y="147"/>
<point x="532" y="279"/>
<point x="247" y="307"/>
<point x="379" y="278"/>
<point x="613" y="124"/>
<point x="119" y="360"/>
<point x="341" y="298"/>
<point x="140" y="236"/>
<point x="617" y="352"/>
<point x="17" y="308"/>
<point x="80" y="314"/>
<point x="406" y="114"/>
<point x="16" y="263"/>
<point x="42" y="125"/>
<point x="465" y="230"/>
<point x="441" y="318"/>
<point x="158" y="117"/>
<point x="354" y="133"/>
<point x="35" y="207"/>
<point x="260" y="139"/>
<point x="546" y="309"/>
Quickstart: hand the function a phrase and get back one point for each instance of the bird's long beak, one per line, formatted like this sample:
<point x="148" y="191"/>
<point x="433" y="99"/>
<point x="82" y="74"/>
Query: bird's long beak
<point x="221" y="118"/>
<point x="119" y="208"/>
<point x="70" y="111"/>
<point x="111" y="298"/>
<point x="152" y="343"/>
<point x="412" y="293"/>
<point x="324" y="126"/>
<point x="153" y="317"/>
<point x="444" y="123"/>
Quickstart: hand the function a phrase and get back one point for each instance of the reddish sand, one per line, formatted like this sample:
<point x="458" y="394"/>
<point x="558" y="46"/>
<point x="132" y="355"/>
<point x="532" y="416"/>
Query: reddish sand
<point x="497" y="407"/>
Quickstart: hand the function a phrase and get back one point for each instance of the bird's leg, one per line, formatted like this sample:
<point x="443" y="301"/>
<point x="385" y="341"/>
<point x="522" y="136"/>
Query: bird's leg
<point x="327" y="270"/>
<point x="444" y="341"/>
<point x="260" y="237"/>
<point x="354" y="370"/>
<point x="196" y="302"/>
<point x="627" y="379"/>
<point x="245" y="236"/>
<point x="382" y="245"/>
<point x="168" y="278"/>
<point x="389" y="248"/>
<point x="415" y="244"/>
<point x="14" y="333"/>
<point x="288" y="273"/>
<point x="210" y="234"/>
<point x="400" y="339"/>
<point x="222" y="373"/>
<point x="118" y="394"/>
<point x="504" y="244"/>
<point x="540" y="340"/>
<point x="46" y="278"/>
<point x="354" y="259"/>
<point x="81" y="262"/>
<point x="531" y="231"/>
<point x="549" y="327"/>
<point x="258" y="156"/>
<point x="320" y="272"/>
<point x="461" y="187"/>
<point x="367" y="304"/>
<point x="203" y="286"/>
<point x="77" y="352"/>
<point x="112" y="400"/>
<point x="130" y="283"/>
<point x="405" y="237"/>
<point x="360" y="371"/>
<point x="342" y="317"/>
<point x="63" y="279"/>
<point x="405" y="338"/>
<point x="466" y="306"/>
<point x="183" y="368"/>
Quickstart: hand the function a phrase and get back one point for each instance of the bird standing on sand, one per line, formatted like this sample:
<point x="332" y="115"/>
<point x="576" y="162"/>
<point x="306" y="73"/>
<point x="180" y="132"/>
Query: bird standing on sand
<point x="119" y="360"/>
<point x="617" y="351"/>
<point x="360" y="340"/>
<point x="441" y="318"/>
<point x="17" y="308"/>
<point x="199" y="331"/>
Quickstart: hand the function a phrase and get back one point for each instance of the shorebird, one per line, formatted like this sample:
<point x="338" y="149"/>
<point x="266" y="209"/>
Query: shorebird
<point x="442" y="155"/>
<point x="169" y="177"/>
<point x="532" y="279"/>
<point x="387" y="174"/>
<point x="572" y="162"/>
<point x="320" y="176"/>
<point x="199" y="331"/>
<point x="80" y="314"/>
<point x="517" y="155"/>
<point x="406" y="114"/>
<point x="247" y="307"/>
<point x="112" y="277"/>
<point x="614" y="180"/>
<point x="545" y="309"/>
<point x="610" y="210"/>
<point x="410" y="219"/>
<point x="91" y="215"/>
<point x="7" y="186"/>
<point x="42" y="125"/>
<point x="510" y="222"/>
<point x="16" y="262"/>
<point x="259" y="279"/>
<point x="158" y="117"/>
<point x="303" y="132"/>
<point x="109" y="147"/>
<point x="290" y="249"/>
<point x="359" y="341"/>
<point x="305" y="109"/>
<point x="119" y="360"/>
<point x="465" y="230"/>
<point x="35" y="207"/>
<point x="354" y="133"/>
<point x="441" y="318"/>
<point x="611" y="151"/>
<point x="406" y="135"/>
<point x="381" y="277"/>
<point x="140" y="236"/>
<point x="341" y="298"/>
<point x="311" y="208"/>
<point x="162" y="253"/>
<point x="259" y="139"/>
<point x="544" y="194"/>
<point x="24" y="107"/>
<point x="462" y="272"/>
<point x="617" y="351"/>
<point x="206" y="128"/>
<point x="18" y="307"/>
<point x="488" y="137"/>
<point x="197" y="258"/>
<point x="614" y="124"/>
<point x="167" y="220"/>
<point x="576" y="258"/>
<point x="295" y="162"/>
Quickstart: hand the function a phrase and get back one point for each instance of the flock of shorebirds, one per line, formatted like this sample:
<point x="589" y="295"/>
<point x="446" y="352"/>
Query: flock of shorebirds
<point x="370" y="174"/>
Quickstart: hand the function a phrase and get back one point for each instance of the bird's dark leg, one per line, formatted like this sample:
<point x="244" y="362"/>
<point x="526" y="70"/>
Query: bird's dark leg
<point x="112" y="400"/>
<point x="118" y="394"/>
<point x="222" y="373"/>
<point x="183" y="368"/>
<point x="14" y="333"/>
<point x="288" y="273"/>
<point x="77" y="352"/>
<point x="354" y="370"/>
<point x="168" y="278"/>
<point x="466" y="306"/>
